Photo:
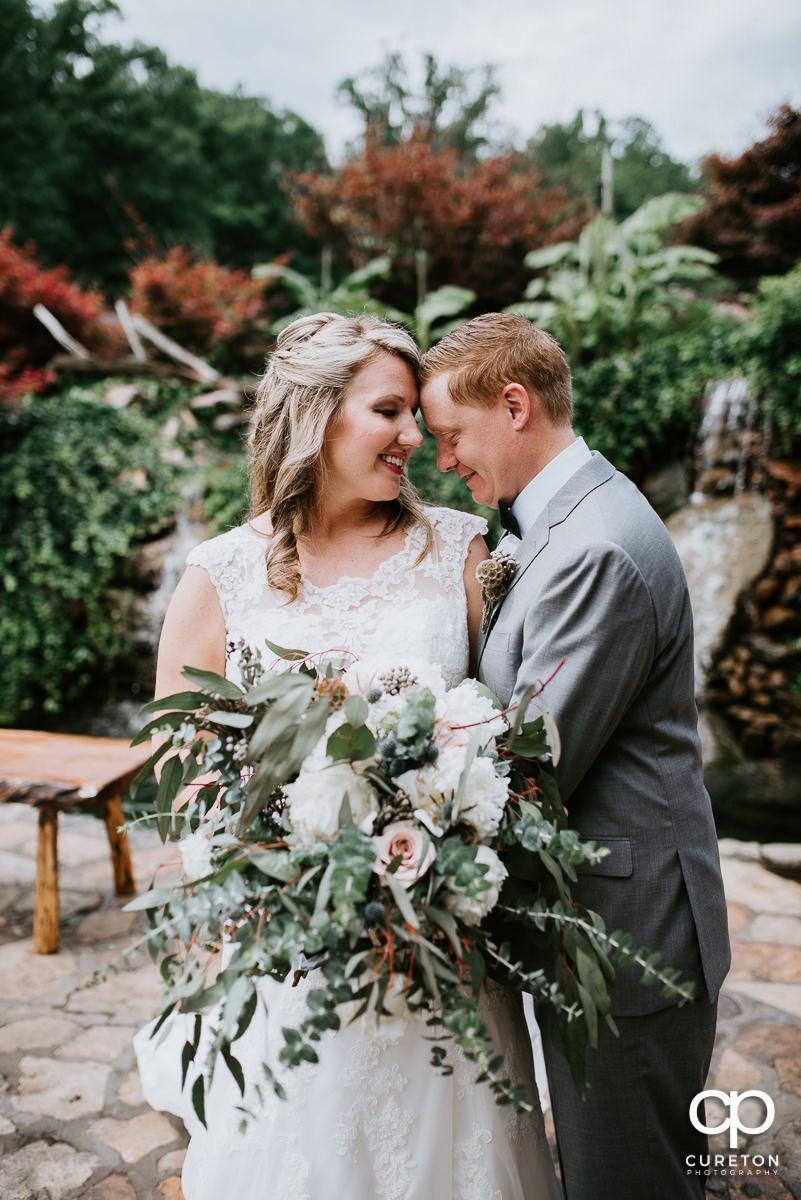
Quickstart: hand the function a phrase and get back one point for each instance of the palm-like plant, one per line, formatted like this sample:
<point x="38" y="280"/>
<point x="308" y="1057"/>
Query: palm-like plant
<point x="351" y="294"/>
<point x="427" y="323"/>
<point x="619" y="283"/>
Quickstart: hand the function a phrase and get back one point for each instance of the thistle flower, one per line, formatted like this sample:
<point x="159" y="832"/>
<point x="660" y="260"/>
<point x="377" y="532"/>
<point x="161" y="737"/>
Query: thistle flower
<point x="495" y="574"/>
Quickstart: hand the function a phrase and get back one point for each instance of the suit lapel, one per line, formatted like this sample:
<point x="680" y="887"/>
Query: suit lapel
<point x="588" y="477"/>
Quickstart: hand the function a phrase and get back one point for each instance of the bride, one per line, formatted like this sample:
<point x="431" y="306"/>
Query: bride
<point x="342" y="555"/>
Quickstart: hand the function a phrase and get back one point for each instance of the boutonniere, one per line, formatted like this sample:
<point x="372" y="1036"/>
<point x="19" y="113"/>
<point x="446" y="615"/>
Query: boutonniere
<point x="495" y="574"/>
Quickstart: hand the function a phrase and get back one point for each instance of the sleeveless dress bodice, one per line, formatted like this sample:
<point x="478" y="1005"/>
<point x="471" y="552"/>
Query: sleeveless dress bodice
<point x="410" y="606"/>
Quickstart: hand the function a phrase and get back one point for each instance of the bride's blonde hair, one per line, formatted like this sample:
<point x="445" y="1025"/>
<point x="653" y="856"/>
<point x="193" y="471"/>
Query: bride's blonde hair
<point x="299" y="397"/>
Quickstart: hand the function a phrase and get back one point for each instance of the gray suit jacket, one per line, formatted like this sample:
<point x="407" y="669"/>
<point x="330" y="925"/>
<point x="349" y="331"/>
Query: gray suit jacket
<point x="600" y="585"/>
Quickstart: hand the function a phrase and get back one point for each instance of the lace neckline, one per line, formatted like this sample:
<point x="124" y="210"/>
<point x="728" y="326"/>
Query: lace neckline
<point x="385" y="567"/>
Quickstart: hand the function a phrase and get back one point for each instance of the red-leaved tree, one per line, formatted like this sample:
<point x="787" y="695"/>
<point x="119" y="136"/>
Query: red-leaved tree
<point x="201" y="304"/>
<point x="25" y="345"/>
<point x="474" y="221"/>
<point x="753" y="219"/>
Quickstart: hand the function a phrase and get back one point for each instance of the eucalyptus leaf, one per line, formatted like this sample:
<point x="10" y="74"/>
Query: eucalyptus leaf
<point x="234" y="1066"/>
<point x="356" y="710"/>
<point x="155" y="898"/>
<point x="186" y="701"/>
<point x="349" y="744"/>
<point x="403" y="902"/>
<point x="274" y="863"/>
<point x="287" y="655"/>
<point x="442" y="918"/>
<point x="554" y="741"/>
<point x="146" y="769"/>
<point x="324" y="890"/>
<point x="280" y="717"/>
<point x="592" y="978"/>
<point x="187" y="1058"/>
<point x="590" y="1012"/>
<point x="169" y="720"/>
<point x="271" y="688"/>
<point x="430" y="974"/>
<point x="235" y="720"/>
<point x="309" y="729"/>
<point x="199" y="1099"/>
<point x="169" y="784"/>
<point x="214" y="684"/>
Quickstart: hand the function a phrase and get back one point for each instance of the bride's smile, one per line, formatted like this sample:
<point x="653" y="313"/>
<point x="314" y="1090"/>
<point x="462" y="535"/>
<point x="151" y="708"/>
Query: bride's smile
<point x="374" y="434"/>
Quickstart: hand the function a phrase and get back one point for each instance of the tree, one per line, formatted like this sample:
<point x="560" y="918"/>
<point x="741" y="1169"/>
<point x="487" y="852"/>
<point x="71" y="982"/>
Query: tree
<point x="618" y="283"/>
<point x="451" y="110"/>
<point x="441" y="220"/>
<point x="107" y="152"/>
<point x="26" y="346"/>
<point x="753" y="218"/>
<point x="570" y="155"/>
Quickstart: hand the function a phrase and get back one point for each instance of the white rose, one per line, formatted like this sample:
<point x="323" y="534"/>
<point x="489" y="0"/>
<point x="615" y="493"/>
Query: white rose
<point x="464" y="711"/>
<point x="422" y="785"/>
<point x="314" y="802"/>
<point x="195" y="851"/>
<point x="472" y="910"/>
<point x="484" y="798"/>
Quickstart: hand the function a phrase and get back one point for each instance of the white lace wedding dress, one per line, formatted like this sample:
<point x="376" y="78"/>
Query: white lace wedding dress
<point x="371" y="1120"/>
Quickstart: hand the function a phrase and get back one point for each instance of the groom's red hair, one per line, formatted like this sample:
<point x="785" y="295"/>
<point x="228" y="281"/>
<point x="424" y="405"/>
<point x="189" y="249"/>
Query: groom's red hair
<point x="494" y="349"/>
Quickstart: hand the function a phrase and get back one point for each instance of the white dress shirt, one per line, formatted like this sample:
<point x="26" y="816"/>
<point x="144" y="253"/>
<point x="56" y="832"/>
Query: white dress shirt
<point x="535" y="496"/>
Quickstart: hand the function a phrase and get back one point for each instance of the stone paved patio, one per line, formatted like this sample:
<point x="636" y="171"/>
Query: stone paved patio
<point x="73" y="1124"/>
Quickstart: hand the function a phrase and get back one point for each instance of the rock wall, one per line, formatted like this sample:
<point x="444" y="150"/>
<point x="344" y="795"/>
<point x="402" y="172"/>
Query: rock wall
<point x="755" y="682"/>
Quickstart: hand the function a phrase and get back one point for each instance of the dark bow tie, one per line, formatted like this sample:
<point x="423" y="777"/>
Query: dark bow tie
<point x="508" y="519"/>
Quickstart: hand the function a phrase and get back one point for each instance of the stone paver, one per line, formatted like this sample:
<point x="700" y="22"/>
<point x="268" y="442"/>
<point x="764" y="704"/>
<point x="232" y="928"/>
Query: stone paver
<point x="113" y="1187"/>
<point x="55" y="1169"/>
<point x="171" y="1189"/>
<point x="74" y="1125"/>
<point x="756" y="888"/>
<point x="137" y="1137"/>
<point x="61" y="1090"/>
<point x="104" y="1043"/>
<point x="33" y="977"/>
<point x="35" y="1034"/>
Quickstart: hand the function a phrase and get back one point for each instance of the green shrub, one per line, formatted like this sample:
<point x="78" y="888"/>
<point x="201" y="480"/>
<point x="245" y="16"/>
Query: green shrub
<point x="642" y="409"/>
<point x="80" y="485"/>
<point x="771" y="349"/>
<point x="225" y="495"/>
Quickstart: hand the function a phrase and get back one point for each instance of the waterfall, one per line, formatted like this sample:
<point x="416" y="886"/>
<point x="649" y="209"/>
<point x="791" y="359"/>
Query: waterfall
<point x="726" y="442"/>
<point x="724" y="535"/>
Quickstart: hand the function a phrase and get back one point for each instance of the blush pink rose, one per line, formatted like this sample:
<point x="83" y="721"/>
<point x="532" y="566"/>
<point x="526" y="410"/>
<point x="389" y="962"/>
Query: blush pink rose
<point x="408" y="840"/>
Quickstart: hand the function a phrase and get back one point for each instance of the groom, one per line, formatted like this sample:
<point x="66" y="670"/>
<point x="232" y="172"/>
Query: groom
<point x="600" y="586"/>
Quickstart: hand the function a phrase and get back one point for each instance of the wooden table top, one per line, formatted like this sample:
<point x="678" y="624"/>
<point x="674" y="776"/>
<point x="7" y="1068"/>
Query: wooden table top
<point x="36" y="767"/>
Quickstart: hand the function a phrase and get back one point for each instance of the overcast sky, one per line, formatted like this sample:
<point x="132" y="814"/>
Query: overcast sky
<point x="705" y="73"/>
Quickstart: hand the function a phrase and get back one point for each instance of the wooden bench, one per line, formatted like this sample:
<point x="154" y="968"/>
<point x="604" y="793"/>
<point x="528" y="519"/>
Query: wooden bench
<point x="55" y="771"/>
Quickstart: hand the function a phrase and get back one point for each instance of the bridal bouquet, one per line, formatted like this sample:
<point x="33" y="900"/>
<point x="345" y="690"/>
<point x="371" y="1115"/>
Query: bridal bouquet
<point x="384" y="835"/>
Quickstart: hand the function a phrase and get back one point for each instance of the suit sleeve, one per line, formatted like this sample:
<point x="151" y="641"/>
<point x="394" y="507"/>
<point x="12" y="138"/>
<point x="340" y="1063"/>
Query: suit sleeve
<point x="594" y="612"/>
